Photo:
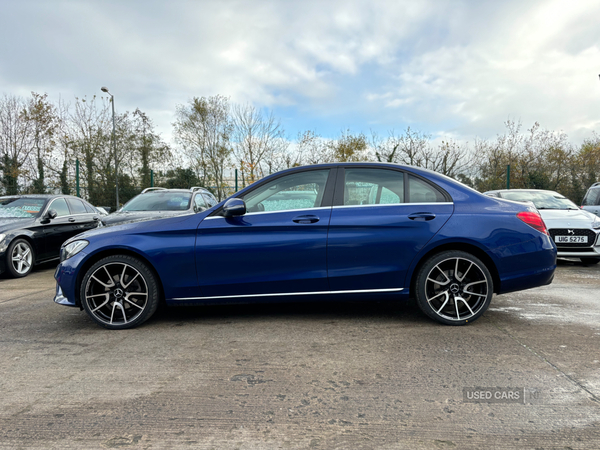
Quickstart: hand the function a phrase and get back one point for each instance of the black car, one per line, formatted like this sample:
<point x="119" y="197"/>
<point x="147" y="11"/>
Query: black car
<point x="158" y="203"/>
<point x="33" y="227"/>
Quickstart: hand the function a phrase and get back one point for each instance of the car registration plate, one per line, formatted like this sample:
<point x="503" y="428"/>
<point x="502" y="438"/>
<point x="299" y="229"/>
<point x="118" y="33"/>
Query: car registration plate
<point x="571" y="239"/>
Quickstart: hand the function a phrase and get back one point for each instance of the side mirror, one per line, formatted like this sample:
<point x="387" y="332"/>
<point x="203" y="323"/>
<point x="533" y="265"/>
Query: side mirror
<point x="234" y="207"/>
<point x="50" y="215"/>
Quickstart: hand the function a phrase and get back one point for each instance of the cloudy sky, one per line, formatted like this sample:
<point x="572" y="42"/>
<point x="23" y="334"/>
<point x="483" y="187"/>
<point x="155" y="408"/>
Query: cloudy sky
<point x="446" y="68"/>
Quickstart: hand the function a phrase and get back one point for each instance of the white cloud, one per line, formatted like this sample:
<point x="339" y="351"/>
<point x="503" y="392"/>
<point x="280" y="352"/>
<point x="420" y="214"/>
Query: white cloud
<point x="458" y="67"/>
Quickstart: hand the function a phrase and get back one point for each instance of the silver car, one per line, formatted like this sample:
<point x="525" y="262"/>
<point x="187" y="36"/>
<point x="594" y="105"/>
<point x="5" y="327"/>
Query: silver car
<point x="591" y="201"/>
<point x="573" y="230"/>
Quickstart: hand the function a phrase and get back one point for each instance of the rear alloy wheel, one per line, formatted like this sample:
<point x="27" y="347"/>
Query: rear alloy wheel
<point x="119" y="292"/>
<point x="454" y="288"/>
<point x="19" y="258"/>
<point x="590" y="261"/>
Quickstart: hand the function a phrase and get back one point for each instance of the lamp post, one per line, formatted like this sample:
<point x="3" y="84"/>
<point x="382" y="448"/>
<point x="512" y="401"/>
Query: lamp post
<point x="114" y="139"/>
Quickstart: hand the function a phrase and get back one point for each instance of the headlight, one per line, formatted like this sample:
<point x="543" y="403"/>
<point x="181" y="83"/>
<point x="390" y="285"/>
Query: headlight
<point x="595" y="223"/>
<point x="72" y="249"/>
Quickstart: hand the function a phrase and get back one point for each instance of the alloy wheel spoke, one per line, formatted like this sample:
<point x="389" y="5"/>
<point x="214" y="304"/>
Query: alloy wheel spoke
<point x="110" y="278"/>
<point x="125" y="286"/>
<point x="465" y="273"/>
<point x="445" y="302"/>
<point x="102" y="282"/>
<point x="457" y="299"/>
<point x="106" y="300"/>
<point x="132" y="303"/>
<point x="437" y="295"/>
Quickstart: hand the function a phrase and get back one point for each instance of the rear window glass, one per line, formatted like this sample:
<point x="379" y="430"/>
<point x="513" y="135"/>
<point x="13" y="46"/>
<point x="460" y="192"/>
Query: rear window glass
<point x="77" y="206"/>
<point x="422" y="192"/>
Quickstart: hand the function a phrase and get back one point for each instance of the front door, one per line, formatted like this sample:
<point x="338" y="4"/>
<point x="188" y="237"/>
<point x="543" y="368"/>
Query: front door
<point x="278" y="247"/>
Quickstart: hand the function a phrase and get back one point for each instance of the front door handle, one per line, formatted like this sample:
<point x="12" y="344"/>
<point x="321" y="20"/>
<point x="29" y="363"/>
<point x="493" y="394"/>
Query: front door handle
<point x="306" y="219"/>
<point x="71" y="219"/>
<point x="422" y="216"/>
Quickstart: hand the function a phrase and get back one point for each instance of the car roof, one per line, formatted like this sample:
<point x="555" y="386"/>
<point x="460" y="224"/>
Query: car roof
<point x="42" y="196"/>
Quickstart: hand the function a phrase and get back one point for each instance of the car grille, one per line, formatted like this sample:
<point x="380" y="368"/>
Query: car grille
<point x="576" y="232"/>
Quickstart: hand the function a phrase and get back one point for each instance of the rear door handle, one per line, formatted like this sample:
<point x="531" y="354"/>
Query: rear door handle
<point x="306" y="219"/>
<point x="422" y="216"/>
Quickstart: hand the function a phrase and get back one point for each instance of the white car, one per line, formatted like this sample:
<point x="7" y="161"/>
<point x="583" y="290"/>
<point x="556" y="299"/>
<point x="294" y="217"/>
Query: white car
<point x="573" y="230"/>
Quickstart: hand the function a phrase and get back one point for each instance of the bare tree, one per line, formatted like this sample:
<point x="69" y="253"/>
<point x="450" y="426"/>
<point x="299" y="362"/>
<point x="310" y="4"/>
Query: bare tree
<point x="257" y="138"/>
<point x="16" y="141"/>
<point x="203" y="128"/>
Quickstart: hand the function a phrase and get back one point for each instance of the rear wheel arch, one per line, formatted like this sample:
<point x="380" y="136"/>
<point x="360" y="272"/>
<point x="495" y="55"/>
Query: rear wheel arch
<point x="460" y="246"/>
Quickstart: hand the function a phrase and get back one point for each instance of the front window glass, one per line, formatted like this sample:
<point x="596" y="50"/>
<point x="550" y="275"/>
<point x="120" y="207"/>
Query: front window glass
<point x="60" y="206"/>
<point x="296" y="191"/>
<point x="159" y="201"/>
<point x="541" y="200"/>
<point x="373" y="187"/>
<point x="21" y="207"/>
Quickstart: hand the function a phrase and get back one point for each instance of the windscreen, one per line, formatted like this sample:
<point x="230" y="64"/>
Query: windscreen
<point x="16" y="207"/>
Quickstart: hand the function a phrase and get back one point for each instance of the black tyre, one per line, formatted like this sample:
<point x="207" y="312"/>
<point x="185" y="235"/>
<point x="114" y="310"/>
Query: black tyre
<point x="454" y="288"/>
<point x="119" y="292"/>
<point x="590" y="261"/>
<point x="20" y="258"/>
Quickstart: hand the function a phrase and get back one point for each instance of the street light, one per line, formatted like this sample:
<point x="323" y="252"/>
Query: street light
<point x="112" y="101"/>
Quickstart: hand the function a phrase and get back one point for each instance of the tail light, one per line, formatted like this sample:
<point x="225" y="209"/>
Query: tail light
<point x="534" y="220"/>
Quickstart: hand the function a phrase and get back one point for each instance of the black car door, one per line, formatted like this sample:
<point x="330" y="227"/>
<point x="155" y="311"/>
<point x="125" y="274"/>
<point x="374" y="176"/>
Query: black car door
<point x="57" y="230"/>
<point x="81" y="218"/>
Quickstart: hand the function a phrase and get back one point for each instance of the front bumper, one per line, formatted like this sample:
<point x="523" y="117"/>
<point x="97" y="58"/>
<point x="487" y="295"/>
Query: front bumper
<point x="66" y="281"/>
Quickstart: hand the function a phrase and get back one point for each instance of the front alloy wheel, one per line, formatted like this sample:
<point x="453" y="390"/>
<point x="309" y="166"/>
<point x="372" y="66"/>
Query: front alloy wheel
<point x="119" y="292"/>
<point x="454" y="288"/>
<point x="19" y="258"/>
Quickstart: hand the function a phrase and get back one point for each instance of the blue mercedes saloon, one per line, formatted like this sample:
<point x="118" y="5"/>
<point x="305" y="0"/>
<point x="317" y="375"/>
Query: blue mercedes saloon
<point x="350" y="231"/>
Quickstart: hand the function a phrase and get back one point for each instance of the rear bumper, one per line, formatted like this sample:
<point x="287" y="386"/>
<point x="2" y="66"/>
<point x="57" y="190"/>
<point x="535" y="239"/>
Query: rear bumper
<point x="530" y="271"/>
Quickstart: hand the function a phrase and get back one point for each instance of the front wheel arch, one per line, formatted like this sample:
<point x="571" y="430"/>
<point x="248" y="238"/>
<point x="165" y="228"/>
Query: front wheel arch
<point x="111" y="252"/>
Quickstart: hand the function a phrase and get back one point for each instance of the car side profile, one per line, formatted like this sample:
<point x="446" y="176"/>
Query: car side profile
<point x="335" y="231"/>
<point x="33" y="228"/>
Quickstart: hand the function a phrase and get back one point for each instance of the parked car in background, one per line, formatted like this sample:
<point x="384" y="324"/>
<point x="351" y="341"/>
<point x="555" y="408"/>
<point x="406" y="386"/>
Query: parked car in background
<point x="573" y="230"/>
<point x="33" y="227"/>
<point x="332" y="231"/>
<point x="158" y="203"/>
<point x="591" y="201"/>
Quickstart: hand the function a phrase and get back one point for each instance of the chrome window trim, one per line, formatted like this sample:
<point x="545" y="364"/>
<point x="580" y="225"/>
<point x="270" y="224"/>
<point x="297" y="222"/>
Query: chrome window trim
<point x="283" y="294"/>
<point x="320" y="208"/>
<point x="394" y="204"/>
<point x="47" y="208"/>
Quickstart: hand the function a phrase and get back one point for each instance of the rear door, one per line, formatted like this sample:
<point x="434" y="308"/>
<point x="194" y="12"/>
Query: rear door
<point x="380" y="220"/>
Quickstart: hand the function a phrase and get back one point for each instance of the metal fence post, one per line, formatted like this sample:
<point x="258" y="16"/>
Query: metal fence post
<point x="77" y="177"/>
<point x="508" y="177"/>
